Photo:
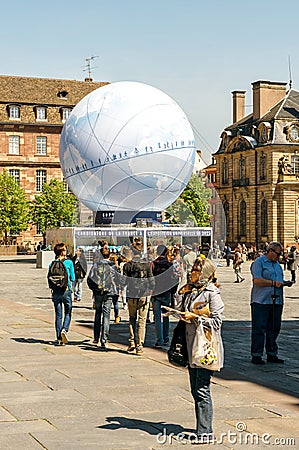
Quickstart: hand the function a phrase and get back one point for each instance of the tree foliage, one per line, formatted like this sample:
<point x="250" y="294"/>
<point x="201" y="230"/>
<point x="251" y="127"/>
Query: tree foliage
<point x="192" y="204"/>
<point x="54" y="207"/>
<point x="14" y="207"/>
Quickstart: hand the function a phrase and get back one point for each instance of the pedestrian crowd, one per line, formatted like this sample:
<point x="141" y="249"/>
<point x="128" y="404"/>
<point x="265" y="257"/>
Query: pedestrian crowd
<point x="180" y="281"/>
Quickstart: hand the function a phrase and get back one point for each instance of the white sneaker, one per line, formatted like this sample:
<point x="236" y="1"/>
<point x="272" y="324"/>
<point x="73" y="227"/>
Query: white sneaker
<point x="64" y="337"/>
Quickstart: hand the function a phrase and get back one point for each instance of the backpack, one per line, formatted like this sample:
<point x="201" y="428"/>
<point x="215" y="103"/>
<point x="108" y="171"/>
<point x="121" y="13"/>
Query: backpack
<point x="57" y="276"/>
<point x="100" y="278"/>
<point x="79" y="271"/>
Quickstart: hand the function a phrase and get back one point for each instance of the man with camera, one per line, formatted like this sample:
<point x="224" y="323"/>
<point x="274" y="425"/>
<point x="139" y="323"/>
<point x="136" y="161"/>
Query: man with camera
<point x="267" y="304"/>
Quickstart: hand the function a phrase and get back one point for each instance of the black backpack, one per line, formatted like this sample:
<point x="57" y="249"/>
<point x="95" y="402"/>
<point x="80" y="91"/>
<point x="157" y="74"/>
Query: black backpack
<point x="57" y="276"/>
<point x="99" y="278"/>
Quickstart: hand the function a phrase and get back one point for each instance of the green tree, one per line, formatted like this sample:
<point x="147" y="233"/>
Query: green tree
<point x="192" y="204"/>
<point x="54" y="207"/>
<point x="14" y="207"/>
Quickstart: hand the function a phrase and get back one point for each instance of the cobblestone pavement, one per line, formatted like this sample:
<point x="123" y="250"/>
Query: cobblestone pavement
<point x="79" y="397"/>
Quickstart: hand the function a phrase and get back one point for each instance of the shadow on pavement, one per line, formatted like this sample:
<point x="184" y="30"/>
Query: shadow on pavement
<point x="46" y="342"/>
<point x="117" y="422"/>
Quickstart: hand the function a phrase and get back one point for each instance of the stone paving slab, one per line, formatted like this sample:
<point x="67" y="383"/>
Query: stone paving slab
<point x="25" y="427"/>
<point x="19" y="441"/>
<point x="78" y="396"/>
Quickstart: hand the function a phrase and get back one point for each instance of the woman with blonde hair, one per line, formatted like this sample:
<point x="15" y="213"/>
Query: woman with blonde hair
<point x="202" y="289"/>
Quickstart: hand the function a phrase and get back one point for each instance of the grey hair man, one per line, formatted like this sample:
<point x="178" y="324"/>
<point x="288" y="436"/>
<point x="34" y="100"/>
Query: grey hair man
<point x="267" y="304"/>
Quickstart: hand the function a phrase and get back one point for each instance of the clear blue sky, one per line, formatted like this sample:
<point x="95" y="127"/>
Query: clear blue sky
<point x="196" y="51"/>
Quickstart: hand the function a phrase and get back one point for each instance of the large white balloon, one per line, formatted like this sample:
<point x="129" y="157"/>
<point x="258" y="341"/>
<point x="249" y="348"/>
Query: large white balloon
<point x="127" y="146"/>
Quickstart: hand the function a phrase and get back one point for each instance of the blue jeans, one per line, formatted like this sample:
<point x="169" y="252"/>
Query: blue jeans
<point x="103" y="305"/>
<point x="200" y="380"/>
<point x="265" y="322"/>
<point x="64" y="299"/>
<point x="77" y="287"/>
<point x="161" y="326"/>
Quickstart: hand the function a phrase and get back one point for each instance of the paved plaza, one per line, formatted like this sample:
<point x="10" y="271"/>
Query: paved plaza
<point x="81" y="397"/>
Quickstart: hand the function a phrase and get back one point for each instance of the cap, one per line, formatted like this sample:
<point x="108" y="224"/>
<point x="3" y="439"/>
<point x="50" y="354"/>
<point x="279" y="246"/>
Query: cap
<point x="188" y="247"/>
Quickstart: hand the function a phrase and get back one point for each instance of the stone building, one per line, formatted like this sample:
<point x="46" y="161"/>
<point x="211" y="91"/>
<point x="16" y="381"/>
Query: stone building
<point x="257" y="167"/>
<point x="32" y="114"/>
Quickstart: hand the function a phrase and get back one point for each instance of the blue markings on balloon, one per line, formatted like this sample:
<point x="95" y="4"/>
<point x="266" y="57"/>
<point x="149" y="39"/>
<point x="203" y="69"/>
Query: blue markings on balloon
<point x="68" y="172"/>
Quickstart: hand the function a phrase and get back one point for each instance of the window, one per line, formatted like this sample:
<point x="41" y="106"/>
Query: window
<point x="14" y="145"/>
<point x="241" y="167"/>
<point x="262" y="167"/>
<point x="41" y="178"/>
<point x="62" y="94"/>
<point x="65" y="114"/>
<point x="294" y="134"/>
<point x="226" y="213"/>
<point x="243" y="218"/>
<point x="295" y="164"/>
<point x="15" y="173"/>
<point x="41" y="145"/>
<point x="66" y="186"/>
<point x="14" y="112"/>
<point x="41" y="113"/>
<point x="224" y="172"/>
<point x="264" y="217"/>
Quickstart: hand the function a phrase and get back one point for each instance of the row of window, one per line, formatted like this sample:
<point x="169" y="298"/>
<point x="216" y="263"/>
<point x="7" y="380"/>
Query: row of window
<point x="40" y="177"/>
<point x="14" y="113"/>
<point x="40" y="145"/>
<point x="242" y="217"/>
<point x="262" y="167"/>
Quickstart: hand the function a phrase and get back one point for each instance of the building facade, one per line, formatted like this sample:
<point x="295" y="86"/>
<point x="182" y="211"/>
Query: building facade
<point x="32" y="114"/>
<point x="257" y="167"/>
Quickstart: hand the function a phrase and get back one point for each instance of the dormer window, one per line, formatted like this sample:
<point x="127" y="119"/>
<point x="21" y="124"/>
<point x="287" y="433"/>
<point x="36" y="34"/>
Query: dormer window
<point x="41" y="113"/>
<point x="14" y="112"/>
<point x="62" y="94"/>
<point x="264" y="129"/>
<point x="294" y="134"/>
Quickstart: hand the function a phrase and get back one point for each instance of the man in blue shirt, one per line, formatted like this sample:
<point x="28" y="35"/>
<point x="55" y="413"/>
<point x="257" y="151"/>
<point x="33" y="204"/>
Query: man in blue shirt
<point x="63" y="296"/>
<point x="267" y="304"/>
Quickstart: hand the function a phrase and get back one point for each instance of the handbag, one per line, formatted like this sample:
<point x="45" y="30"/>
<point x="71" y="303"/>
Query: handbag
<point x="207" y="350"/>
<point x="177" y="353"/>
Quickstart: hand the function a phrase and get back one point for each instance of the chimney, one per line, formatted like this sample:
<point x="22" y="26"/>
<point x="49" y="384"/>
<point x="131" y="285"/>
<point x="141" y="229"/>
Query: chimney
<point x="265" y="95"/>
<point x="238" y="105"/>
<point x="88" y="80"/>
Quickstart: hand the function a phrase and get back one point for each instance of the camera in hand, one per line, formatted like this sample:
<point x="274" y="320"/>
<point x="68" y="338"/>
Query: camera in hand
<point x="288" y="283"/>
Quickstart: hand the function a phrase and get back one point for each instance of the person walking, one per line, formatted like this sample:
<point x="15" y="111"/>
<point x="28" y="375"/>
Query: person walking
<point x="114" y="259"/>
<point x="61" y="276"/>
<point x="227" y="254"/>
<point x="207" y="292"/>
<point x="292" y="263"/>
<point x="237" y="265"/>
<point x="164" y="282"/>
<point x="101" y="280"/>
<point x="139" y="283"/>
<point x="267" y="304"/>
<point x="80" y="266"/>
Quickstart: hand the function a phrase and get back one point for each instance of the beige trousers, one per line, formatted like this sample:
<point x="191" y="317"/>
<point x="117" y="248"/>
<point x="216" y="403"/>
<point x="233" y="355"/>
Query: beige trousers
<point x="137" y="308"/>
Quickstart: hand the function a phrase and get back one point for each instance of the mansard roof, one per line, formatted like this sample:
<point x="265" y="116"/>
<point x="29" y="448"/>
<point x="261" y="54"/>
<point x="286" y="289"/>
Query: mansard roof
<point x="46" y="91"/>
<point x="286" y="110"/>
